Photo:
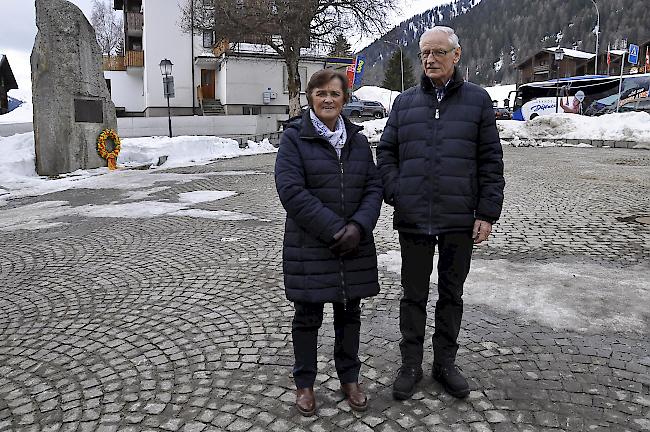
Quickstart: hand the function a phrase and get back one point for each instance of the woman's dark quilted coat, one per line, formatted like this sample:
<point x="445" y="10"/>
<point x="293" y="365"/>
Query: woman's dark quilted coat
<point x="441" y="162"/>
<point x="321" y="195"/>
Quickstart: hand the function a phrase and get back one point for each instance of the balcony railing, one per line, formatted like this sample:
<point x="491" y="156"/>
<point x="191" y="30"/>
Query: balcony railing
<point x="113" y="63"/>
<point x="541" y="69"/>
<point x="134" y="23"/>
<point x="134" y="59"/>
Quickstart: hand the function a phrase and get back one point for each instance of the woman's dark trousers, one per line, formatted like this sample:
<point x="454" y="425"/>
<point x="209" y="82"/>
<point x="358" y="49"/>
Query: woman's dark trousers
<point x="455" y="254"/>
<point x="347" y="325"/>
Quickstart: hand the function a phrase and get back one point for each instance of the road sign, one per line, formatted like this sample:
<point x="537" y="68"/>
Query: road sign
<point x="633" y="57"/>
<point x="168" y="86"/>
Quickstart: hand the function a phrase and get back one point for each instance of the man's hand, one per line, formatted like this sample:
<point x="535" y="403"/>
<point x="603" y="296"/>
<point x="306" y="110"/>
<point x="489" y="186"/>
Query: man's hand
<point x="482" y="230"/>
<point x="347" y="240"/>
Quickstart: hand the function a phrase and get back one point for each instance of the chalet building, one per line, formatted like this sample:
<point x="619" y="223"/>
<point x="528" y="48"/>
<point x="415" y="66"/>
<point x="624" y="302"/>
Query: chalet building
<point x="7" y="82"/>
<point x="542" y="66"/>
<point x="210" y="78"/>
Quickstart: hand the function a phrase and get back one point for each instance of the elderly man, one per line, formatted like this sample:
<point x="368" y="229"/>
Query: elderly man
<point x="441" y="163"/>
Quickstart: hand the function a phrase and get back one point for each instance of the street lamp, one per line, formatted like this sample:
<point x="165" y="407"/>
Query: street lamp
<point x="401" y="58"/>
<point x="597" y="32"/>
<point x="559" y="55"/>
<point x="168" y="86"/>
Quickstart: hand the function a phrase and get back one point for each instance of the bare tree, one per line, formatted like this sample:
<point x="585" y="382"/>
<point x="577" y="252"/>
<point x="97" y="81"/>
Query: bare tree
<point x="108" y="28"/>
<point x="202" y="17"/>
<point x="287" y="26"/>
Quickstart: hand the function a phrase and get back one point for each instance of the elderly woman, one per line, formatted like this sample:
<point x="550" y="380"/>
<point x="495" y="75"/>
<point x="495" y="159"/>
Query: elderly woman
<point x="328" y="184"/>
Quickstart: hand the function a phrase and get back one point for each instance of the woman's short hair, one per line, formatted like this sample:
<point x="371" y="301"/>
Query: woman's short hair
<point x="321" y="78"/>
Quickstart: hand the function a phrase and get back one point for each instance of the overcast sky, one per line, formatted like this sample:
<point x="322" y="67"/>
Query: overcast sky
<point x="18" y="31"/>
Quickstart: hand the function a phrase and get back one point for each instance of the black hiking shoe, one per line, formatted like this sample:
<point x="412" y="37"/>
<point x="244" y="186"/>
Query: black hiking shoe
<point x="407" y="378"/>
<point x="451" y="379"/>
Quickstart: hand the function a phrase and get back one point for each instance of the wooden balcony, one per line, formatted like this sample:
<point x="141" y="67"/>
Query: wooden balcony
<point x="134" y="59"/>
<point x="134" y="23"/>
<point x="541" y="69"/>
<point x="113" y="63"/>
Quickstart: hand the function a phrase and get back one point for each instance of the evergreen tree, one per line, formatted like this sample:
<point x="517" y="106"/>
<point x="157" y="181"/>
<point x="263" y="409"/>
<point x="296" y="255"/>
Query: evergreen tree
<point x="393" y="73"/>
<point x="341" y="47"/>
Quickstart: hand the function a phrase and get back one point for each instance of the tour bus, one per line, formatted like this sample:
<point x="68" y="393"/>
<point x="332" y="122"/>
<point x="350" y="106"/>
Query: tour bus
<point x="599" y="94"/>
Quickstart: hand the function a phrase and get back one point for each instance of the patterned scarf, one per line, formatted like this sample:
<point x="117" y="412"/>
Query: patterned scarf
<point x="336" y="138"/>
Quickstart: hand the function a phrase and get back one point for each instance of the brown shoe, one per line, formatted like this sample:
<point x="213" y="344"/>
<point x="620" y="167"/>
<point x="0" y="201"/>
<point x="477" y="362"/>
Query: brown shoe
<point x="356" y="397"/>
<point x="305" y="401"/>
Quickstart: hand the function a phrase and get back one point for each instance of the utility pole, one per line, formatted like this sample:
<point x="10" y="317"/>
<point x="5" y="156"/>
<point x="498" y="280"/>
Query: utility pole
<point x="597" y="33"/>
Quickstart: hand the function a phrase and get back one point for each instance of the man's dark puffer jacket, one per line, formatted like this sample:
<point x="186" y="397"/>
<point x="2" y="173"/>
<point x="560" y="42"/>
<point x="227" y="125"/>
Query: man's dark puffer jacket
<point x="321" y="194"/>
<point x="442" y="163"/>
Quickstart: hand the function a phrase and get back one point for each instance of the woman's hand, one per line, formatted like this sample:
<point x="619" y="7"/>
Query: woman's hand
<point x="346" y="240"/>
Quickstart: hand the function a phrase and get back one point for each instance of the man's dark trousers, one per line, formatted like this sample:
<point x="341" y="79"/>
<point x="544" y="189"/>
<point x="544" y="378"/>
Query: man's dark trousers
<point x="455" y="254"/>
<point x="347" y="326"/>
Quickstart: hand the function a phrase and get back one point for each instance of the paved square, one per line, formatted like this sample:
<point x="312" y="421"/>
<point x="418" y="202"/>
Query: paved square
<point x="179" y="322"/>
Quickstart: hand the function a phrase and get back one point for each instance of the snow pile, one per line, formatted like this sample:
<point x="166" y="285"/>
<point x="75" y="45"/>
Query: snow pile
<point x="185" y="150"/>
<point x="373" y="129"/>
<point x="17" y="156"/>
<point x="379" y="94"/>
<point x="18" y="176"/>
<point x="23" y="114"/>
<point x="633" y="126"/>
<point x="501" y="92"/>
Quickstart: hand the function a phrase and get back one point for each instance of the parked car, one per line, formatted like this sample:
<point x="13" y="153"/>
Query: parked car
<point x="359" y="108"/>
<point x="502" y="114"/>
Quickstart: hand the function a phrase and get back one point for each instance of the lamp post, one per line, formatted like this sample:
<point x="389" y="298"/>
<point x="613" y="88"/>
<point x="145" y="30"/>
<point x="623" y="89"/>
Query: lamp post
<point x="597" y="32"/>
<point x="168" y="86"/>
<point x="559" y="55"/>
<point x="401" y="58"/>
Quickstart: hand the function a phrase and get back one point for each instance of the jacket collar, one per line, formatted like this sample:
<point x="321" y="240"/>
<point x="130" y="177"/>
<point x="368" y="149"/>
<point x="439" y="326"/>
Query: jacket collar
<point x="455" y="82"/>
<point x="307" y="130"/>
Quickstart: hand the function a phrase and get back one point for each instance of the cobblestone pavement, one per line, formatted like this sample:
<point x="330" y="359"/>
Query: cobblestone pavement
<point x="178" y="323"/>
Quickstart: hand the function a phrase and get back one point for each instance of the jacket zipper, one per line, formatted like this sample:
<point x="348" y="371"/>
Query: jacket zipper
<point x="345" y="299"/>
<point x="437" y="117"/>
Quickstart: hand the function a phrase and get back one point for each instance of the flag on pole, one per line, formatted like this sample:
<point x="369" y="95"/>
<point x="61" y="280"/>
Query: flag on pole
<point x="609" y="56"/>
<point x="647" y="59"/>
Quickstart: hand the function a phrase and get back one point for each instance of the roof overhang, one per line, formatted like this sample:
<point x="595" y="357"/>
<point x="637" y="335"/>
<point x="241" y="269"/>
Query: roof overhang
<point x="206" y="62"/>
<point x="7" y="74"/>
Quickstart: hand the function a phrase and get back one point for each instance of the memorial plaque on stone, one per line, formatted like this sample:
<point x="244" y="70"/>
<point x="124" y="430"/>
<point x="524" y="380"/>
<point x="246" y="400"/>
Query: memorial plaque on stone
<point x="88" y="111"/>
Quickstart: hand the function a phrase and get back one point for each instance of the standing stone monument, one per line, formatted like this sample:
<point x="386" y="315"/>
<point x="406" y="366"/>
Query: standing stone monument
<point x="72" y="104"/>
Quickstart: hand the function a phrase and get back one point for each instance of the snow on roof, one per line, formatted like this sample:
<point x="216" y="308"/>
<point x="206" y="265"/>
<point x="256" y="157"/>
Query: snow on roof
<point x="571" y="53"/>
<point x="249" y="48"/>
<point x="618" y="52"/>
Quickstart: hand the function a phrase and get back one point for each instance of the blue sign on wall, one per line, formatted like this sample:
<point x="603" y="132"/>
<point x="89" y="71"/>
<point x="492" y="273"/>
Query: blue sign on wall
<point x="633" y="56"/>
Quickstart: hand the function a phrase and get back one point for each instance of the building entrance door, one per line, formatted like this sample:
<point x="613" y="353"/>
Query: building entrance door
<point x="207" y="83"/>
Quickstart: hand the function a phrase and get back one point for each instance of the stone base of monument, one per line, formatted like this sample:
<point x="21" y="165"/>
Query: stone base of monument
<point x="72" y="104"/>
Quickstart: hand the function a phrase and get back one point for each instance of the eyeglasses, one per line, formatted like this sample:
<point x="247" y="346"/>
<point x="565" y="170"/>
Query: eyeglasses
<point x="439" y="53"/>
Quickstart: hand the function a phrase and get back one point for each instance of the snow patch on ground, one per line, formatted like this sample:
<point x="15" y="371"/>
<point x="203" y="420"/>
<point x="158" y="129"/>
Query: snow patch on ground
<point x="146" y="193"/>
<point x="197" y="197"/>
<point x="40" y="215"/>
<point x="582" y="297"/>
<point x="215" y="214"/>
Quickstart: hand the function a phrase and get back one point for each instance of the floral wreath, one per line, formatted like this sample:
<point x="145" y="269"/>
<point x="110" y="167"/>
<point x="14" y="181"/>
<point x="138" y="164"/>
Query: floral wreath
<point x="111" y="157"/>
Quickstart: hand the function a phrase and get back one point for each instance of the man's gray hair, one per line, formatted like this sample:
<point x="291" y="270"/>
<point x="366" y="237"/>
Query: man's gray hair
<point x="451" y="35"/>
